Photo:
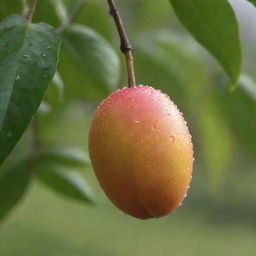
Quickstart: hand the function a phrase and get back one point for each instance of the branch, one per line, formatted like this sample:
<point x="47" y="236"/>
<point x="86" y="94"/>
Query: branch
<point x="125" y="47"/>
<point x="31" y="11"/>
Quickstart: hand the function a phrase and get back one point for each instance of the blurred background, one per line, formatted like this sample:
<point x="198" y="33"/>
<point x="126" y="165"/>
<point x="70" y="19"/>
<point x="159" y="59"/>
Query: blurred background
<point x="219" y="215"/>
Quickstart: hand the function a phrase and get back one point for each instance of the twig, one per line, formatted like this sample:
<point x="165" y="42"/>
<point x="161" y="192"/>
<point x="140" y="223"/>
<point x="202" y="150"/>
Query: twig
<point x="31" y="11"/>
<point x="125" y="47"/>
<point x="73" y="13"/>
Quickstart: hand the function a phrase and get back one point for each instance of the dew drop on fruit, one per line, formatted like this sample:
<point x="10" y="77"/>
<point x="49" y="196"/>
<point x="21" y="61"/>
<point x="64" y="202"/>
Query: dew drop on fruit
<point x="172" y="138"/>
<point x="154" y="128"/>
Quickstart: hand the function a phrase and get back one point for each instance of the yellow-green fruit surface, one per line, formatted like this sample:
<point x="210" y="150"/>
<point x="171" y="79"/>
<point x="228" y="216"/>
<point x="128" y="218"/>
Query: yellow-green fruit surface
<point x="141" y="151"/>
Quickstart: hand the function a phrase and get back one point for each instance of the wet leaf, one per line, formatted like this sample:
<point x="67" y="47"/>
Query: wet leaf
<point x="28" y="59"/>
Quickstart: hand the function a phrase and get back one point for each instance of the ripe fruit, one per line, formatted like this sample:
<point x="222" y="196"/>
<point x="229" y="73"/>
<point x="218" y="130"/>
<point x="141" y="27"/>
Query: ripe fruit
<point x="141" y="151"/>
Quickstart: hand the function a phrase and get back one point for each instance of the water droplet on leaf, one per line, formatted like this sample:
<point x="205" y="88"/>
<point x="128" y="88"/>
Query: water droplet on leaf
<point x="25" y="58"/>
<point x="45" y="75"/>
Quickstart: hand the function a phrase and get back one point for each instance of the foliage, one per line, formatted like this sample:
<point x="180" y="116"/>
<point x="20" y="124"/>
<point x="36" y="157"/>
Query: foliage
<point x="214" y="25"/>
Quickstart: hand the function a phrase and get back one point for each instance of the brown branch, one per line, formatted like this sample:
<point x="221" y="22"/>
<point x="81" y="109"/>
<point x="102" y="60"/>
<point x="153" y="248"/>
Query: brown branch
<point x="31" y="11"/>
<point x="125" y="47"/>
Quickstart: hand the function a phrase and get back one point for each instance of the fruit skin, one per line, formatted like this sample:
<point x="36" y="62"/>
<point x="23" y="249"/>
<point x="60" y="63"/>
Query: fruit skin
<point x="141" y="151"/>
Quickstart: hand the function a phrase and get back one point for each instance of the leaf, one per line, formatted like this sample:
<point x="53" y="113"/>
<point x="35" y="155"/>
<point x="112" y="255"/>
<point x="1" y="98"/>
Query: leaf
<point x="60" y="10"/>
<point x="214" y="25"/>
<point x="13" y="184"/>
<point x="239" y="108"/>
<point x="216" y="140"/>
<point x="68" y="126"/>
<point x="59" y="84"/>
<point x="67" y="156"/>
<point x="252" y="2"/>
<point x="46" y="7"/>
<point x="44" y="108"/>
<point x="65" y="181"/>
<point x="28" y="58"/>
<point x="96" y="63"/>
<point x="55" y="94"/>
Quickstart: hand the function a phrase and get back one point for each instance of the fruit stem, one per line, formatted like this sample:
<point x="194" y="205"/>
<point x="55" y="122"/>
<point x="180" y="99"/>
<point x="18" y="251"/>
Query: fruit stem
<point x="125" y="47"/>
<point x="31" y="11"/>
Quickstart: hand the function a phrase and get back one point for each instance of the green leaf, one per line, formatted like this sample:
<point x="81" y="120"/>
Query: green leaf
<point x="216" y="140"/>
<point x="214" y="25"/>
<point x="60" y="10"/>
<point x="239" y="108"/>
<point x="67" y="156"/>
<point x="44" y="108"/>
<point x="67" y="182"/>
<point x="96" y="68"/>
<point x="13" y="184"/>
<point x="59" y="84"/>
<point x="28" y="58"/>
<point x="252" y="2"/>
<point x="55" y="94"/>
<point x="45" y="7"/>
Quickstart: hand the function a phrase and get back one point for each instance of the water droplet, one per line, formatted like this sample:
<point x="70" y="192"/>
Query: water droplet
<point x="172" y="138"/>
<point x="43" y="55"/>
<point x="136" y="121"/>
<point x="49" y="47"/>
<point x="154" y="127"/>
<point x="9" y="134"/>
<point x="18" y="78"/>
<point x="44" y="75"/>
<point x="25" y="58"/>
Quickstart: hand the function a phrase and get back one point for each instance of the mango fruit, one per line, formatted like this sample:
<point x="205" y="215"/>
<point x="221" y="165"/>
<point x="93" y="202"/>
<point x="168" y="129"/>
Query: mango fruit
<point x="141" y="151"/>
